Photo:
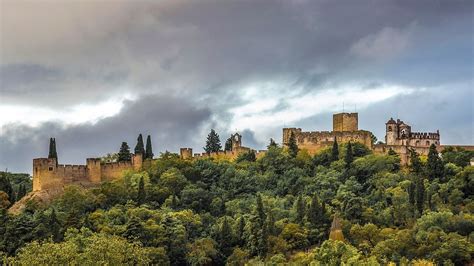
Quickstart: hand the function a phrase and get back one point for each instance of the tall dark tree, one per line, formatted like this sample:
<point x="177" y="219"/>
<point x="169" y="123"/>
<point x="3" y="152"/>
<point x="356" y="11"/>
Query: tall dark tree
<point x="260" y="210"/>
<point x="314" y="211"/>
<point x="226" y="238"/>
<point x="335" y="151"/>
<point x="124" y="154"/>
<point x="420" y="195"/>
<point x="240" y="231"/>
<point x="54" y="226"/>
<point x="349" y="158"/>
<point x="271" y="224"/>
<point x="6" y="186"/>
<point x="292" y="146"/>
<point x="213" y="143"/>
<point x="415" y="162"/>
<point x="272" y="144"/>
<point x="228" y="144"/>
<point x="300" y="209"/>
<point x="52" y="149"/>
<point x="435" y="167"/>
<point x="140" y="148"/>
<point x="141" y="196"/>
<point x="149" y="150"/>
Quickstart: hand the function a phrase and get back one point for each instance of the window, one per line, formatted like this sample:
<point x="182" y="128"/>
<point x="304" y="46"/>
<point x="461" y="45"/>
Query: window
<point x="51" y="169"/>
<point x="427" y="143"/>
<point x="417" y="143"/>
<point x="389" y="128"/>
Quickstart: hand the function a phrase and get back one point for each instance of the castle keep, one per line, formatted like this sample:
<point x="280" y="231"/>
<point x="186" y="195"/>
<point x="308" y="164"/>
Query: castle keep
<point x="345" y="129"/>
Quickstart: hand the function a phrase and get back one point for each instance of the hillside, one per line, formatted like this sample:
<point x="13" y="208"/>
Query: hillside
<point x="276" y="209"/>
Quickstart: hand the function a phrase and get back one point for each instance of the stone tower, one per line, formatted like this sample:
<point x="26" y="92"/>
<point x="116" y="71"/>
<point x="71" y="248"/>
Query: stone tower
<point x="391" y="132"/>
<point x="343" y="122"/>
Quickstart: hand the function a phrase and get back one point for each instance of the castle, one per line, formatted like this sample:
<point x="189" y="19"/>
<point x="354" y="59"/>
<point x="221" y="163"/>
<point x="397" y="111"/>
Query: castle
<point x="345" y="129"/>
<point x="48" y="174"/>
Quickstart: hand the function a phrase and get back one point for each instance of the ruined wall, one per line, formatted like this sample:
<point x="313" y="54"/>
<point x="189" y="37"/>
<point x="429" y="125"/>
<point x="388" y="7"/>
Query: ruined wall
<point x="314" y="141"/>
<point x="345" y="122"/>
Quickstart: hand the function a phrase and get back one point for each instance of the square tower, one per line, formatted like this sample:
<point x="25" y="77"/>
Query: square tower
<point x="345" y="122"/>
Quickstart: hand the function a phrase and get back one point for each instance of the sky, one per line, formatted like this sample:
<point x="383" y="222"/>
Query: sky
<point x="95" y="73"/>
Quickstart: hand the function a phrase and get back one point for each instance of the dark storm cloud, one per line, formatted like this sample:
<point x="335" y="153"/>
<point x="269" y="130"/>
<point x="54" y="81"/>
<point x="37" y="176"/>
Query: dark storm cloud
<point x="170" y="121"/>
<point x="207" y="57"/>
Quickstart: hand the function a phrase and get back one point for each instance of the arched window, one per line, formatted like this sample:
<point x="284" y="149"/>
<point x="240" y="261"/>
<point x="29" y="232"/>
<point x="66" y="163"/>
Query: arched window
<point x="417" y="143"/>
<point x="428" y="143"/>
<point x="389" y="128"/>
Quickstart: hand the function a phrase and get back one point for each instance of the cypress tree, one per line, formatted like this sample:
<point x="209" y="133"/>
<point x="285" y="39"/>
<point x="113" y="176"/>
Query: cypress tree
<point x="140" y="148"/>
<point x="420" y="195"/>
<point x="52" y="149"/>
<point x="228" y="144"/>
<point x="314" y="211"/>
<point x="292" y="146"/>
<point x="213" y="143"/>
<point x="240" y="231"/>
<point x="226" y="238"/>
<point x="415" y="162"/>
<point x="124" y="153"/>
<point x="335" y="151"/>
<point x="300" y="209"/>
<point x="141" y="196"/>
<point x="260" y="210"/>
<point x="435" y="166"/>
<point x="149" y="151"/>
<point x="349" y="158"/>
<point x="54" y="226"/>
<point x="271" y="224"/>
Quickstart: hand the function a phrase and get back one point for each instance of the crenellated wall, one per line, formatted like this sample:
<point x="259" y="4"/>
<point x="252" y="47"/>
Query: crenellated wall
<point x="314" y="141"/>
<point x="47" y="174"/>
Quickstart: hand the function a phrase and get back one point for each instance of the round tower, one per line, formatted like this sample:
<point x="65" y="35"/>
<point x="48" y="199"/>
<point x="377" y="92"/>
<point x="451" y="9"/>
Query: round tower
<point x="391" y="133"/>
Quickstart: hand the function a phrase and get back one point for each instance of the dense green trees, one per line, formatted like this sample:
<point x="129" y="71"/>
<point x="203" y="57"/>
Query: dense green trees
<point x="213" y="143"/>
<point x="140" y="147"/>
<point x="124" y="154"/>
<point x="275" y="209"/>
<point x="148" y="150"/>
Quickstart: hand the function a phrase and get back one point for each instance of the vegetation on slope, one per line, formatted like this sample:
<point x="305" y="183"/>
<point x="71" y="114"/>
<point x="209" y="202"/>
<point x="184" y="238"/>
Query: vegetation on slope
<point x="277" y="209"/>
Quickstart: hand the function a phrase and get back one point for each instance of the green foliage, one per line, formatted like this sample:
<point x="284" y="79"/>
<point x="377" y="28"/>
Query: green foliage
<point x="292" y="145"/>
<point x="335" y="151"/>
<point x="53" y="154"/>
<point x="124" y="154"/>
<point x="140" y="147"/>
<point x="457" y="156"/>
<point x="148" y="150"/>
<point x="213" y="143"/>
<point x="435" y="167"/>
<point x="247" y="157"/>
<point x="270" y="211"/>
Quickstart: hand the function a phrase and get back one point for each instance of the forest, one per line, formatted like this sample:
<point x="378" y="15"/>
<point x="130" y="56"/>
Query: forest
<point x="274" y="210"/>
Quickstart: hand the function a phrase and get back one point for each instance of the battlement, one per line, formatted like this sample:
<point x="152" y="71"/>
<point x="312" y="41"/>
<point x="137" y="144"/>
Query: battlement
<point x="48" y="174"/>
<point x="425" y="135"/>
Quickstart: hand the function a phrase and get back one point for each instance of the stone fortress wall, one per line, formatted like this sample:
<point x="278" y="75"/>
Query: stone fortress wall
<point x="48" y="174"/>
<point x="345" y="129"/>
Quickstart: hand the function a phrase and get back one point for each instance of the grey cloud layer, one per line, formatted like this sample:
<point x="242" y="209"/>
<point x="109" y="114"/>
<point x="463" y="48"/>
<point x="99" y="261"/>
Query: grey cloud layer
<point x="202" y="54"/>
<point x="170" y="121"/>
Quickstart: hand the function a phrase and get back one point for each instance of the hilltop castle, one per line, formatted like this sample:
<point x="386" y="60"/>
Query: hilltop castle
<point x="48" y="174"/>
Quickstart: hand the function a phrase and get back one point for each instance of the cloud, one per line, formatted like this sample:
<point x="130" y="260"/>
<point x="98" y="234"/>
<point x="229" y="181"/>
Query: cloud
<point x="171" y="122"/>
<point x="94" y="73"/>
<point x="387" y="43"/>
